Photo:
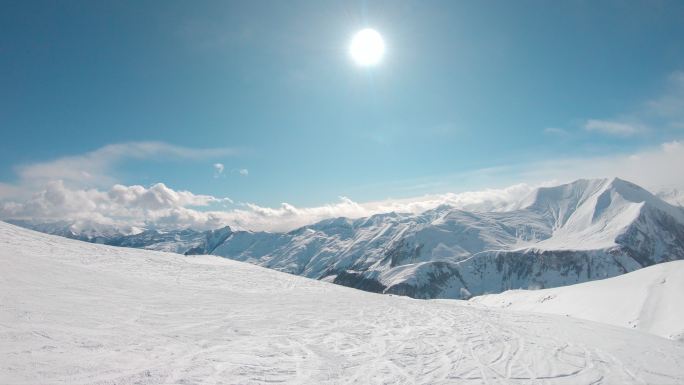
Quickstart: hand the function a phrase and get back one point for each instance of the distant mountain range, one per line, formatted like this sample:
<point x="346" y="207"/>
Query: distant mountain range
<point x="183" y="241"/>
<point x="576" y="232"/>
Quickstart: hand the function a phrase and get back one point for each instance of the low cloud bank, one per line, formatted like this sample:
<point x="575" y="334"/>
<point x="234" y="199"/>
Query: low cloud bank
<point x="159" y="206"/>
<point x="162" y="207"/>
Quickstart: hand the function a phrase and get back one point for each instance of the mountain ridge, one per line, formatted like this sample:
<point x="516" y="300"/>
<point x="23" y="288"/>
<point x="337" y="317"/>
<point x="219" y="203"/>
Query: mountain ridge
<point x="575" y="232"/>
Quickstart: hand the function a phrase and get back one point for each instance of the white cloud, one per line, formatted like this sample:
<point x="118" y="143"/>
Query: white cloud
<point x="664" y="112"/>
<point x="162" y="207"/>
<point x="218" y="169"/>
<point x="653" y="168"/>
<point x="81" y="187"/>
<point x="243" y="172"/>
<point x="612" y="127"/>
<point x="10" y="190"/>
<point x="95" y="168"/>
<point x="668" y="109"/>
<point x="121" y="205"/>
<point x="287" y="216"/>
<point x="556" y="131"/>
<point x="673" y="147"/>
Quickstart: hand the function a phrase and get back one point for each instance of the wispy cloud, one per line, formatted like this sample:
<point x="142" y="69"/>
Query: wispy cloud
<point x="664" y="112"/>
<point x="668" y="109"/>
<point x="243" y="172"/>
<point x="556" y="131"/>
<point x="653" y="168"/>
<point x="612" y="127"/>
<point x="95" y="168"/>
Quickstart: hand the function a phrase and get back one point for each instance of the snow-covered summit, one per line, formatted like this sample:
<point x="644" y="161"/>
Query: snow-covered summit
<point x="593" y="214"/>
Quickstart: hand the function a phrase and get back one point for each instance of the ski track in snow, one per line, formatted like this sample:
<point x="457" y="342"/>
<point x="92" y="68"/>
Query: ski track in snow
<point x="78" y="313"/>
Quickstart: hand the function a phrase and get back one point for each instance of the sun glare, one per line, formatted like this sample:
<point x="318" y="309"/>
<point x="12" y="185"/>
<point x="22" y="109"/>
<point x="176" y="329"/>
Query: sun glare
<point x="367" y="47"/>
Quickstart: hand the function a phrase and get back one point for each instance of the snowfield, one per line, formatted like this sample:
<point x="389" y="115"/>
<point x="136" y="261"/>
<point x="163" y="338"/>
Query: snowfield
<point x="649" y="299"/>
<point x="78" y="313"/>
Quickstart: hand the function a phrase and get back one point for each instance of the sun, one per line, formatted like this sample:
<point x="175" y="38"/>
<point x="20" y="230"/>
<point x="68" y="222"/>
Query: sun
<point x="367" y="47"/>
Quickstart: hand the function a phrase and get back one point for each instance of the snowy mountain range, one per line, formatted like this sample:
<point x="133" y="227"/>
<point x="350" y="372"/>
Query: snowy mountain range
<point x="174" y="241"/>
<point x="576" y="232"/>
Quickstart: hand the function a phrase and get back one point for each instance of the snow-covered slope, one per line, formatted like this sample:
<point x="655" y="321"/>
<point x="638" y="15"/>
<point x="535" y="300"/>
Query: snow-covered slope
<point x="672" y="196"/>
<point x="650" y="299"/>
<point x="79" y="313"/>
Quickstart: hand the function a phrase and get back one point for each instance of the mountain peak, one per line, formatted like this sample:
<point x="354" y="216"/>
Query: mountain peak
<point x="566" y="198"/>
<point x="561" y="202"/>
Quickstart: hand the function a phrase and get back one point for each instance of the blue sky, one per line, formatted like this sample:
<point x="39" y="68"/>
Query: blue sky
<point x="464" y="86"/>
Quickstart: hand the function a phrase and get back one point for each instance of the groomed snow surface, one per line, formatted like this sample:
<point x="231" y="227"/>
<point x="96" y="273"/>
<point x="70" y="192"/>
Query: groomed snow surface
<point x="649" y="299"/>
<point x="77" y="313"/>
